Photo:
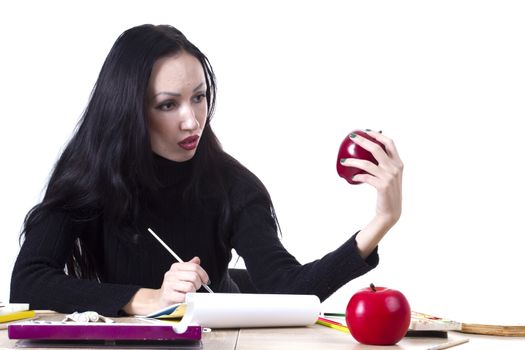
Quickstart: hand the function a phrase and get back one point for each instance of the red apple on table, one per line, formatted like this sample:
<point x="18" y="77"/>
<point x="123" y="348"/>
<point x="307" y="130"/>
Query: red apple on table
<point x="378" y="316"/>
<point x="349" y="149"/>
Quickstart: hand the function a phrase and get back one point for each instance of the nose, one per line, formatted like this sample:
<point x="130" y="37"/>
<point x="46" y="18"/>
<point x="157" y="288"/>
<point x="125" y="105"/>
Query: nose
<point x="189" y="121"/>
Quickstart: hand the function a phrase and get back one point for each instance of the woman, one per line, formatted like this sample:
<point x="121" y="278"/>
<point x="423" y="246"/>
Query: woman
<point x="144" y="156"/>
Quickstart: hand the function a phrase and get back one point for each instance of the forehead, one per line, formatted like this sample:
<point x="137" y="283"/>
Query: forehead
<point x="176" y="72"/>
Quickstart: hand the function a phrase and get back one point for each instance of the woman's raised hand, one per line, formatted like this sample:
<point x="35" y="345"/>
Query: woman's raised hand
<point x="385" y="177"/>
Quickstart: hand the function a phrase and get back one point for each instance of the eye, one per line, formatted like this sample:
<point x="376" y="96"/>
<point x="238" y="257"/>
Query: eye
<point x="199" y="98"/>
<point x="166" y="106"/>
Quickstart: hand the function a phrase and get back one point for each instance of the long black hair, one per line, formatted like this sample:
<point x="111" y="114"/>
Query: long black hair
<point x="108" y="162"/>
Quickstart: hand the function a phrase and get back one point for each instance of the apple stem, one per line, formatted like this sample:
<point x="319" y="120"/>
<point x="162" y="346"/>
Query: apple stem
<point x="372" y="287"/>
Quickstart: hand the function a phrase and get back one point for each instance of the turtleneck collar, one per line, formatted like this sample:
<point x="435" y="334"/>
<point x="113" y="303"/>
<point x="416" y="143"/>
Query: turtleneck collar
<point x="170" y="172"/>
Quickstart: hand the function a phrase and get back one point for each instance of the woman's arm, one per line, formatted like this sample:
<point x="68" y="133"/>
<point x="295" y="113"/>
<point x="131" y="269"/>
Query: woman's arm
<point x="386" y="178"/>
<point x="39" y="278"/>
<point x="274" y="270"/>
<point x="271" y="267"/>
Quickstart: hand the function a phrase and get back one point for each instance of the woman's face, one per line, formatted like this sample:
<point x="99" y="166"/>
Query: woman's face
<point x="176" y="106"/>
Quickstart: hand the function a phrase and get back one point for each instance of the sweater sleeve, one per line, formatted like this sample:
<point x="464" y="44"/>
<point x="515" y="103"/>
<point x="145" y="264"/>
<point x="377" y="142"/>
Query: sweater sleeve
<point x="39" y="278"/>
<point x="274" y="270"/>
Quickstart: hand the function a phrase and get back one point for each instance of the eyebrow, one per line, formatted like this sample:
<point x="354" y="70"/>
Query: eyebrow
<point x="175" y="94"/>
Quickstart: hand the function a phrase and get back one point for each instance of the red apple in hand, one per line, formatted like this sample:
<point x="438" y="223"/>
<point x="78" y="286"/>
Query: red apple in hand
<point x="378" y="316"/>
<point x="349" y="149"/>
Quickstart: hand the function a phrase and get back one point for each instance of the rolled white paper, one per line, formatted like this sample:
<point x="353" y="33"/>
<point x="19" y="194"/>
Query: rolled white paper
<point x="238" y="310"/>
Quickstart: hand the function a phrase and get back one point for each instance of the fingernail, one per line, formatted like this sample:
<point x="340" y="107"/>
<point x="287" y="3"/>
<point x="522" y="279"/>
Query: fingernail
<point x="352" y="135"/>
<point x="342" y="160"/>
<point x="208" y="283"/>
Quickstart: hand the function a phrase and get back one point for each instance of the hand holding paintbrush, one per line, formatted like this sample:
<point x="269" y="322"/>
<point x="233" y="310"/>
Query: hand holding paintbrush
<point x="175" y="255"/>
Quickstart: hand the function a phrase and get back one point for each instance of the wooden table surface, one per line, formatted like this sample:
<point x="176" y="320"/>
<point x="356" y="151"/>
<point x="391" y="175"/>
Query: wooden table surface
<point x="312" y="337"/>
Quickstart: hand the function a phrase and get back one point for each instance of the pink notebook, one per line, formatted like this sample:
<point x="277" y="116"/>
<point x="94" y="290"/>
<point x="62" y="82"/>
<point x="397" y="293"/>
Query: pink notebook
<point x="113" y="332"/>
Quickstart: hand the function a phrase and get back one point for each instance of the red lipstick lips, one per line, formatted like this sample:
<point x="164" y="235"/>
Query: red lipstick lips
<point x="189" y="143"/>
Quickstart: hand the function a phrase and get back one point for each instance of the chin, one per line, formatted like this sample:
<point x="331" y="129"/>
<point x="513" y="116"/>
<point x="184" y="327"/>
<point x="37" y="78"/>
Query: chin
<point x="184" y="156"/>
<point x="188" y="157"/>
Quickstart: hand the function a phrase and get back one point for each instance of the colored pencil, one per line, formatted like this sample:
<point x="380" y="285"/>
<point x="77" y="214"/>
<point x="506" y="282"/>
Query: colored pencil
<point x="336" y="314"/>
<point x="19" y="315"/>
<point x="332" y="324"/>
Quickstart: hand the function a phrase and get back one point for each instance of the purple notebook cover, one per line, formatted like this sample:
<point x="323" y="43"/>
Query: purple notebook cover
<point x="61" y="331"/>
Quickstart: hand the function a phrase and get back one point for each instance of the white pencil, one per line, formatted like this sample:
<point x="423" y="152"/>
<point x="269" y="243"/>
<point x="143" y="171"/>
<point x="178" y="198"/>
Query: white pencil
<point x="174" y="254"/>
<point x="448" y="345"/>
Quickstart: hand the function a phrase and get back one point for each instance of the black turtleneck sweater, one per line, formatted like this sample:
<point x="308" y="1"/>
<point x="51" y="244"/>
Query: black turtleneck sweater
<point x="191" y="229"/>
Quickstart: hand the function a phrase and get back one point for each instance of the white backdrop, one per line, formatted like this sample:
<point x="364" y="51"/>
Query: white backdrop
<point x="444" y="79"/>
